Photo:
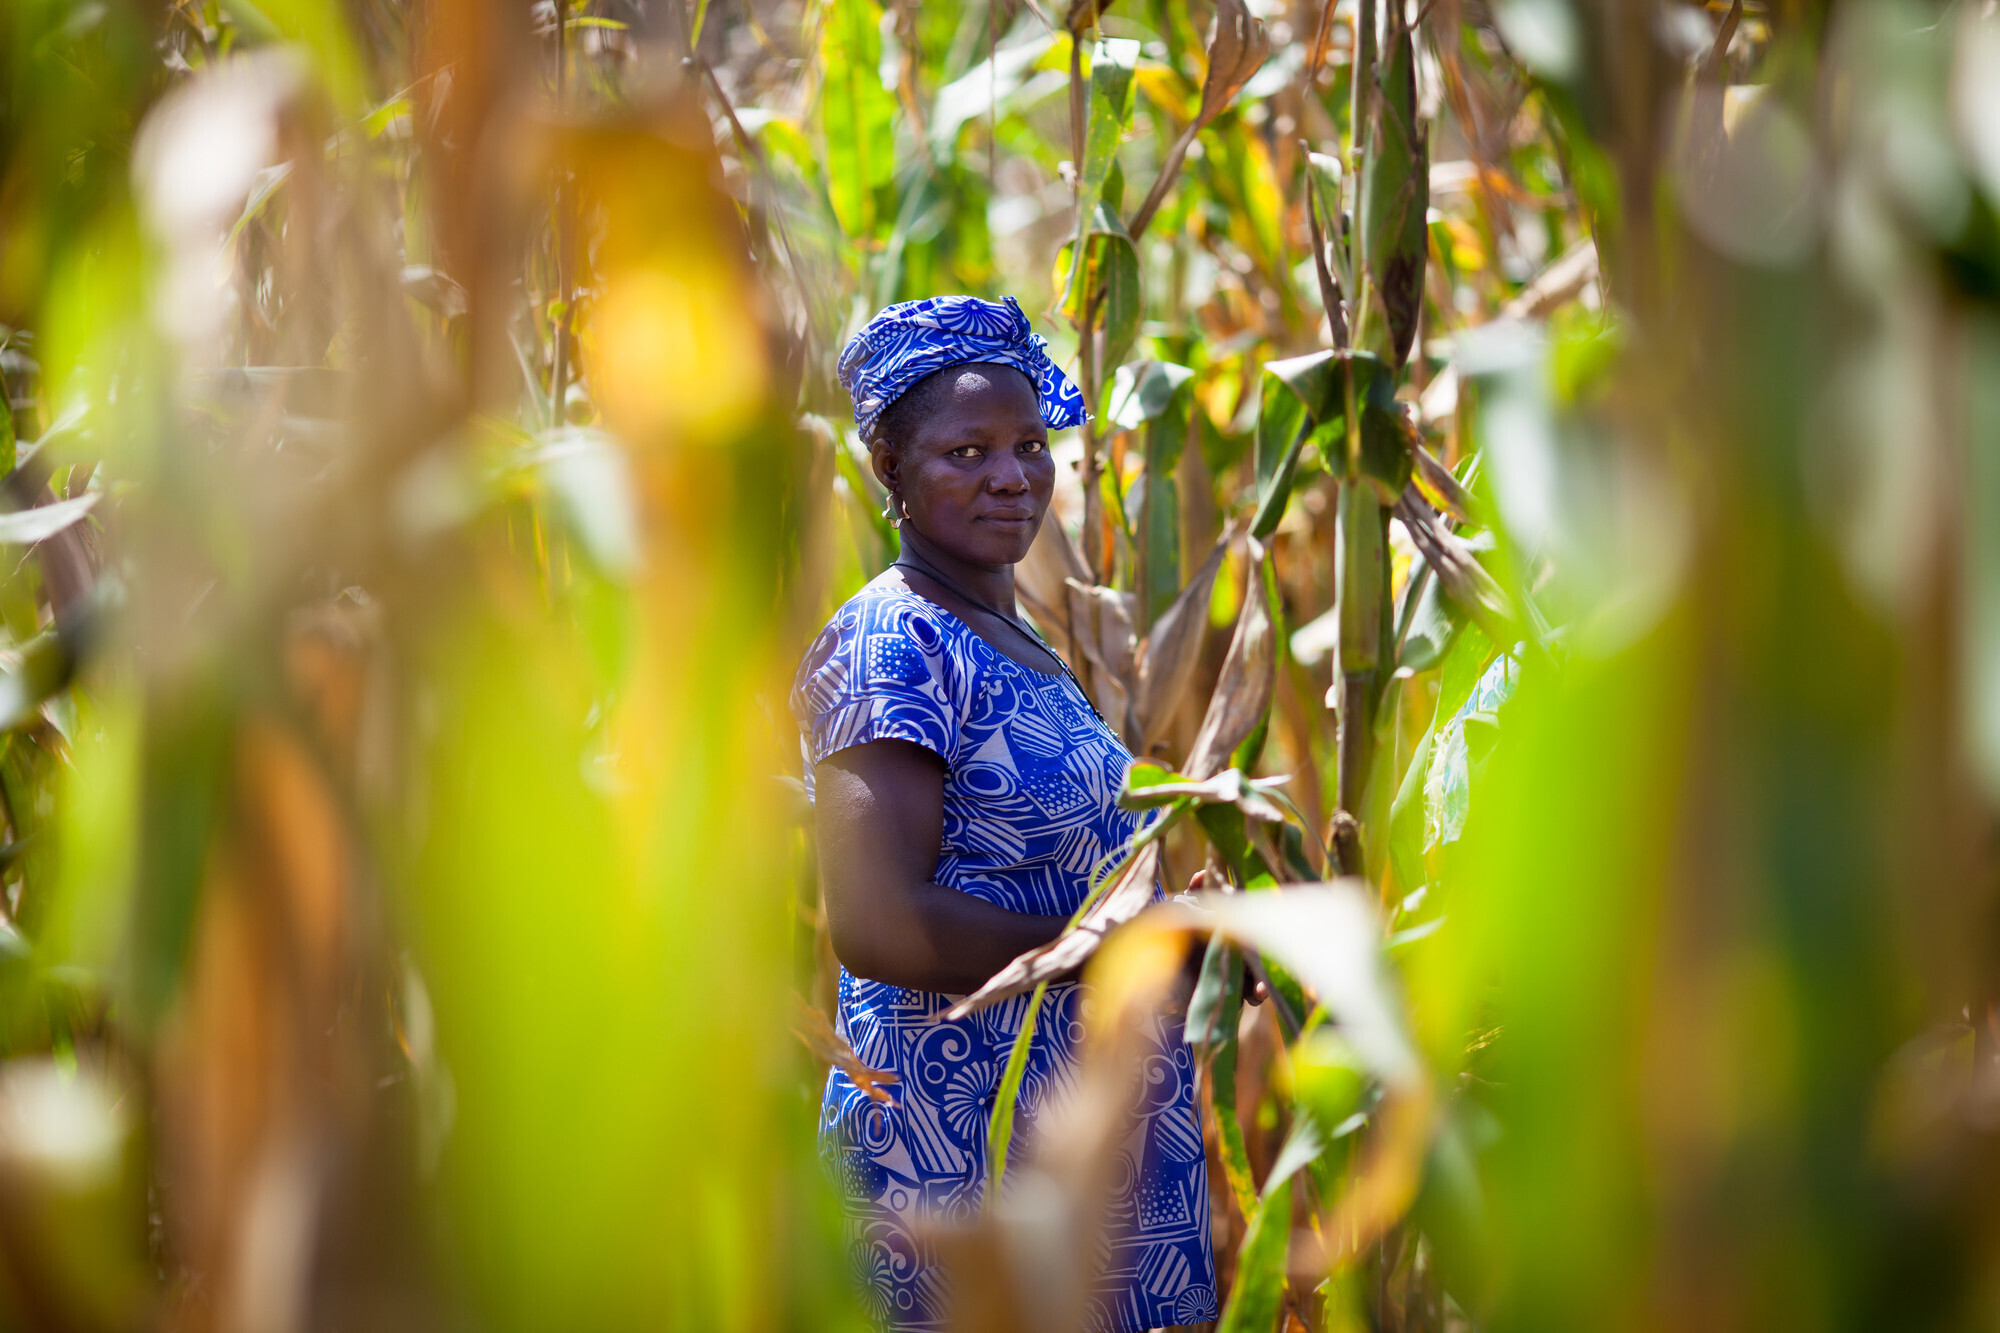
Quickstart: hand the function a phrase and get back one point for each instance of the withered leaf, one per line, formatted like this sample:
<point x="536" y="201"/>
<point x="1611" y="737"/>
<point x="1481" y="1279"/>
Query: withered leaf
<point x="1457" y="569"/>
<point x="1172" y="650"/>
<point x="1235" y="53"/>
<point x="810" y="1026"/>
<point x="1249" y="676"/>
<point x="1130" y="893"/>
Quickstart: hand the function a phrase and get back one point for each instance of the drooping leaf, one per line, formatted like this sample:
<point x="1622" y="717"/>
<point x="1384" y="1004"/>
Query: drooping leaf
<point x="1242" y="698"/>
<point x="1148" y="786"/>
<point x="1125" y="896"/>
<point x="1237" y="49"/>
<point x="1319" y="381"/>
<point x="1106" y="639"/>
<point x="1460" y="574"/>
<point x="1172" y="649"/>
<point x="1041" y="582"/>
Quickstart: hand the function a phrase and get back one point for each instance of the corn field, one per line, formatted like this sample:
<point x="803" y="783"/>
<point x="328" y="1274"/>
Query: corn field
<point x="1539" y="532"/>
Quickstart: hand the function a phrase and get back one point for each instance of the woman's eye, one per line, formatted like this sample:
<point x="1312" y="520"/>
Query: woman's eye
<point x="1035" y="446"/>
<point x="966" y="451"/>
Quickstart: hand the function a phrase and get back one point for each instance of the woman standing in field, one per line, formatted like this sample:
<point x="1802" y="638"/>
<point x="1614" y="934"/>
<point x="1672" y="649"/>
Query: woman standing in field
<point x="964" y="789"/>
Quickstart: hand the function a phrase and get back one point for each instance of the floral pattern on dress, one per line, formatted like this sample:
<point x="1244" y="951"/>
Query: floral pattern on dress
<point x="1030" y="808"/>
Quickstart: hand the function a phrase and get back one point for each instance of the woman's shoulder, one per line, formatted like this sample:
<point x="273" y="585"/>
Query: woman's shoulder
<point x="884" y="630"/>
<point x="886" y="605"/>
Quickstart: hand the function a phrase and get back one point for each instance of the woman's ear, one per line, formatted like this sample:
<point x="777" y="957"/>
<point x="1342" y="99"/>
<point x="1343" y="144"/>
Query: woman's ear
<point x="882" y="457"/>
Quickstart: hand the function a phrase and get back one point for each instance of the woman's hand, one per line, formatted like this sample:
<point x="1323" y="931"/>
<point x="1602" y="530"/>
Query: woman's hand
<point x="879" y="812"/>
<point x="1254" y="991"/>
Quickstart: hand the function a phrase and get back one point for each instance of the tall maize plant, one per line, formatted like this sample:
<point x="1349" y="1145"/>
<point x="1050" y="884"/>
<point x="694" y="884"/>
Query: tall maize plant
<point x="1536" y="532"/>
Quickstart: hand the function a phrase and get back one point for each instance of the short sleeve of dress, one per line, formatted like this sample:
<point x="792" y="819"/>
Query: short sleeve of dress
<point x="880" y="671"/>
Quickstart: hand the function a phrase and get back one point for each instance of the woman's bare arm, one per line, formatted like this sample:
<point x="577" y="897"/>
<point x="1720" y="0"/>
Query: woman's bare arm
<point x="879" y="811"/>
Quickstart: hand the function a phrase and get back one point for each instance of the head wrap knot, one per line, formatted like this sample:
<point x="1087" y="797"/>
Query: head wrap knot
<point x="912" y="339"/>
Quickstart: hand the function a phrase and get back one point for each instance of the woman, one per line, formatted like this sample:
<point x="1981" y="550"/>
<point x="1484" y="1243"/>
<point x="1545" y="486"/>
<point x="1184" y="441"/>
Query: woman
<point x="964" y="789"/>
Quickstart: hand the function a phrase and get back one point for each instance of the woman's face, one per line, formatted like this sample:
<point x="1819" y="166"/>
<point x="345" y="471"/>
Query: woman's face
<point x="975" y="473"/>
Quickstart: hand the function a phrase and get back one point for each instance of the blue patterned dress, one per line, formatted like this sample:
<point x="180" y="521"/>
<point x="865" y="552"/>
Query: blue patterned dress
<point x="1030" y="806"/>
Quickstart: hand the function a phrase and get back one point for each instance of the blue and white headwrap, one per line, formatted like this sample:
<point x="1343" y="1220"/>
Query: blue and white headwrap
<point x="912" y="339"/>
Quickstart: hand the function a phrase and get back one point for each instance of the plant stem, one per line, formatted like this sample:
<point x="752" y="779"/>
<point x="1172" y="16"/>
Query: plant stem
<point x="1170" y="167"/>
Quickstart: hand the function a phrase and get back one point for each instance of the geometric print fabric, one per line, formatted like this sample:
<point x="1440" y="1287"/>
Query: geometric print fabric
<point x="1030" y="809"/>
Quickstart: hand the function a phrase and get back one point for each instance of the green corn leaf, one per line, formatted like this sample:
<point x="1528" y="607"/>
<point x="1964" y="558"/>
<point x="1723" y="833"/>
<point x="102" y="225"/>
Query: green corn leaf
<point x="857" y="115"/>
<point x="1406" y="819"/>
<point x="1221" y="977"/>
<point x="1451" y="1208"/>
<point x="1281" y="420"/>
<point x="1000" y="1129"/>
<point x="1329" y="1081"/>
<point x="1111" y="65"/>
<point x="1110" y="278"/>
<point x="1160" y="516"/>
<point x="185" y="768"/>
<point x="1385" y="458"/>
<point x="1226" y="832"/>
<point x="1463" y="666"/>
<point x="1145" y="391"/>
<point x="1317" y="382"/>
<point x="1148" y="786"/>
<point x="1302" y="1145"/>
<point x="1257" y="1300"/>
<point x="1277" y="490"/>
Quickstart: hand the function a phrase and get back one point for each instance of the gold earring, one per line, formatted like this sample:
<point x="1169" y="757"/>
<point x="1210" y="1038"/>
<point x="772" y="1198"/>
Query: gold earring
<point x="889" y="510"/>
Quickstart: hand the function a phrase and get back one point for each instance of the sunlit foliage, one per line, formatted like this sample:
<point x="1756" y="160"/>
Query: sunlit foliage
<point x="1540" y="531"/>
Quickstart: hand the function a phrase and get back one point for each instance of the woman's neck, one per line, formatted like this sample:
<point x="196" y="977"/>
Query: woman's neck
<point x="991" y="584"/>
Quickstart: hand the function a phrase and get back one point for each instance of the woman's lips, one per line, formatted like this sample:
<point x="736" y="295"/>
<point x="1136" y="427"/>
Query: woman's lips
<point x="1009" y="516"/>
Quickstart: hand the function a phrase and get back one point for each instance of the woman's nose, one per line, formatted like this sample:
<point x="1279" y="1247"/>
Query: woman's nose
<point x="1007" y="477"/>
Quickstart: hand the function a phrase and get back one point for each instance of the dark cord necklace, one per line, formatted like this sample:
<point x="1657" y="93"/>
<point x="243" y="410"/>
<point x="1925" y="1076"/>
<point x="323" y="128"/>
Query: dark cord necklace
<point x="922" y="566"/>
